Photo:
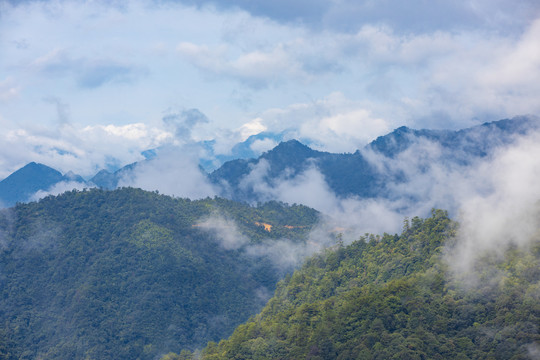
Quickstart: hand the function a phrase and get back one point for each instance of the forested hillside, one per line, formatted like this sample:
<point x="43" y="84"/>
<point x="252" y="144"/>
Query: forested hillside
<point x="129" y="274"/>
<point x="392" y="297"/>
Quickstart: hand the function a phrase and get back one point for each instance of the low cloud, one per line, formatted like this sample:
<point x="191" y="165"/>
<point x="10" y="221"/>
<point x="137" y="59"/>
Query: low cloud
<point x="223" y="230"/>
<point x="533" y="350"/>
<point x="506" y="210"/>
<point x="284" y="254"/>
<point x="352" y="216"/>
<point x="174" y="171"/>
<point x="43" y="236"/>
<point x="59" y="188"/>
<point x="495" y="198"/>
<point x="261" y="145"/>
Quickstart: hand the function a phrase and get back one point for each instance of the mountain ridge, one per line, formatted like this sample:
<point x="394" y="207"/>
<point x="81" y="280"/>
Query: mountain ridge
<point x="347" y="174"/>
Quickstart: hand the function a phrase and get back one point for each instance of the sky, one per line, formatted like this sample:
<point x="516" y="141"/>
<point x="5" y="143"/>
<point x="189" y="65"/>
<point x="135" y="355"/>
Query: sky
<point x="86" y="85"/>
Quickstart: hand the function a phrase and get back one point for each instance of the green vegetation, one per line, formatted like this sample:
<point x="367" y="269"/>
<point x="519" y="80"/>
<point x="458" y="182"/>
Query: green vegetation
<point x="392" y="297"/>
<point x="128" y="274"/>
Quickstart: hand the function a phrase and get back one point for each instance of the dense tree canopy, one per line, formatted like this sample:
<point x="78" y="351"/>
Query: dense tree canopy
<point x="392" y="297"/>
<point x="129" y="274"/>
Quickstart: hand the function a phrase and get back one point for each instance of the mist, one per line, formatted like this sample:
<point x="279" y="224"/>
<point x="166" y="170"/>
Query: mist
<point x="284" y="254"/>
<point x="174" y="171"/>
<point x="495" y="198"/>
<point x="507" y="214"/>
<point x="59" y="188"/>
<point x="224" y="231"/>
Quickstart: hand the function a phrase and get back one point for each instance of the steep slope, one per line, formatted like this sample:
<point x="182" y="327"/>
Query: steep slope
<point x="129" y="274"/>
<point x="26" y="181"/>
<point x="390" y="297"/>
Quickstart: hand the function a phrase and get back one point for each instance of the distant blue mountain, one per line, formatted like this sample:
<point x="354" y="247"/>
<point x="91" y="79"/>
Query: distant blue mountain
<point x="350" y="174"/>
<point x="25" y="182"/>
<point x="107" y="180"/>
<point x="472" y="142"/>
<point x="353" y="175"/>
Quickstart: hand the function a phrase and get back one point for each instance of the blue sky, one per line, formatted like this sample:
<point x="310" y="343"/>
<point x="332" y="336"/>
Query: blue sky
<point x="86" y="84"/>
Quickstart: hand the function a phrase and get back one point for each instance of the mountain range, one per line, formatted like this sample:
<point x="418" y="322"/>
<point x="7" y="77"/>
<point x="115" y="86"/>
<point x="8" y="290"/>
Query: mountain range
<point x="364" y="173"/>
<point x="106" y="273"/>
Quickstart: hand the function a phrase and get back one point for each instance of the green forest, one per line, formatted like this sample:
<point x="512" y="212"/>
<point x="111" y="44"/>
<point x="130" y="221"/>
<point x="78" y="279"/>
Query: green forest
<point x="393" y="297"/>
<point x="129" y="274"/>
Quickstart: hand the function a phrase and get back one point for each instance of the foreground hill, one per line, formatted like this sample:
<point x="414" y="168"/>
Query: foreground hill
<point x="391" y="297"/>
<point x="129" y="274"/>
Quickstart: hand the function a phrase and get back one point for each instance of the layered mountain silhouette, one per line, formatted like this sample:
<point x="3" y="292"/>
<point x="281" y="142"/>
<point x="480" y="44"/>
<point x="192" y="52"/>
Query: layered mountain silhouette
<point x="364" y="173"/>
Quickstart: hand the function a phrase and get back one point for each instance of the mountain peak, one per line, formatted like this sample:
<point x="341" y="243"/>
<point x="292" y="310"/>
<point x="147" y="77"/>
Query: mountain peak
<point x="292" y="146"/>
<point x="26" y="181"/>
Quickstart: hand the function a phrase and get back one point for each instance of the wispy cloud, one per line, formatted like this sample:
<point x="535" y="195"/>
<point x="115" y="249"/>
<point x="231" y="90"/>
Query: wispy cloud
<point x="88" y="73"/>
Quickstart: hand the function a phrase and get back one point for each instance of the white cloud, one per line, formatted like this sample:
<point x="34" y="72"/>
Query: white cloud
<point x="225" y="231"/>
<point x="256" y="68"/>
<point x="261" y="145"/>
<point x="339" y="131"/>
<point x="130" y="131"/>
<point x="504" y="208"/>
<point x="496" y="199"/>
<point x="253" y="127"/>
<point x="84" y="151"/>
<point x="174" y="171"/>
<point x="59" y="188"/>
<point x="334" y="123"/>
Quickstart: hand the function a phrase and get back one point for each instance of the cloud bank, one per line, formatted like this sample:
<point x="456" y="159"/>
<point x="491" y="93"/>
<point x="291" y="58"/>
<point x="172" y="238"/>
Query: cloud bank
<point x="496" y="198"/>
<point x="174" y="171"/>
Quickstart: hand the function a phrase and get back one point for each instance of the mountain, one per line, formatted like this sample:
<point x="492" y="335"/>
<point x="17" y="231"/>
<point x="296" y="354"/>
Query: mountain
<point x="477" y="141"/>
<point x="130" y="274"/>
<point x="368" y="172"/>
<point x="107" y="180"/>
<point x="25" y="182"/>
<point x="393" y="297"/>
